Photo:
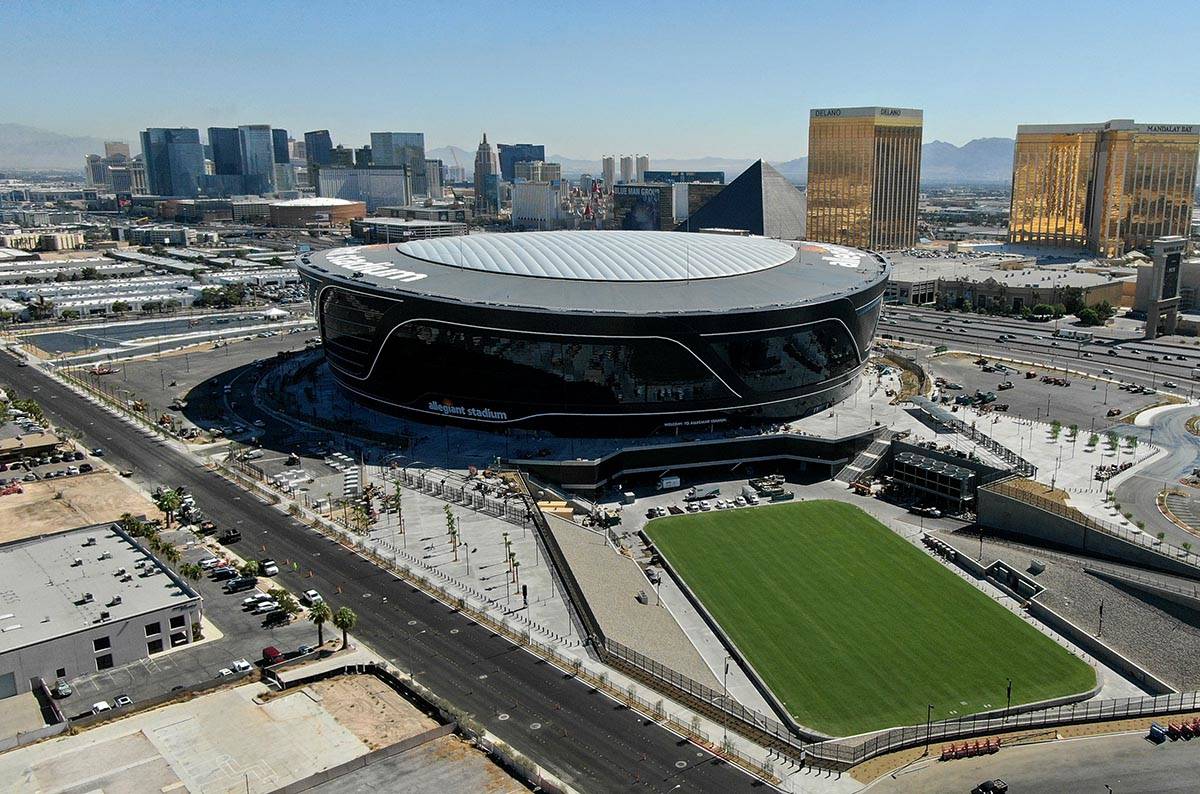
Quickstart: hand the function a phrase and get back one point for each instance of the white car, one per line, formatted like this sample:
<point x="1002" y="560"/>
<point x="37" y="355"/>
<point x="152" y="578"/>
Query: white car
<point x="254" y="599"/>
<point x="1170" y="384"/>
<point x="1109" y="372"/>
<point x="241" y="666"/>
<point x="102" y="706"/>
<point x="208" y="563"/>
<point x="269" y="568"/>
<point x="692" y="507"/>
<point x="311" y="597"/>
<point x="263" y="607"/>
<point x="705" y="506"/>
<point x="224" y="672"/>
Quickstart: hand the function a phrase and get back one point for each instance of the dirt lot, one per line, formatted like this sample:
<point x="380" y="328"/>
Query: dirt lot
<point x="85" y="499"/>
<point x="371" y="710"/>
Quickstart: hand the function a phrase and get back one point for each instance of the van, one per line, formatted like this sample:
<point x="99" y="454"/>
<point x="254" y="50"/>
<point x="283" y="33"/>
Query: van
<point x="271" y="655"/>
<point x="667" y="483"/>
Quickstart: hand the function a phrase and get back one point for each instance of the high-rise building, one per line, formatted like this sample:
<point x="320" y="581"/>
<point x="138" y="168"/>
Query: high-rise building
<point x="512" y="153"/>
<point x="376" y="186"/>
<point x="627" y="172"/>
<point x="138" y="184"/>
<point x="486" y="164"/>
<point x="258" y="152"/>
<point x="318" y="148"/>
<point x="864" y="170"/>
<point x="433" y="173"/>
<point x="341" y="157"/>
<point x="642" y="165"/>
<point x="1110" y="187"/>
<point x="672" y="177"/>
<point x="363" y="157"/>
<point x="115" y="149"/>
<point x="402" y="148"/>
<point x="94" y="171"/>
<point x="537" y="171"/>
<point x="608" y="171"/>
<point x="226" y="146"/>
<point x="279" y="145"/>
<point x="297" y="151"/>
<point x="174" y="160"/>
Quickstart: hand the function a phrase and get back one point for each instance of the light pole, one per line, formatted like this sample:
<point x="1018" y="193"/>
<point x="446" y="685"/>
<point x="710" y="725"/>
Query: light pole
<point x="725" y="704"/>
<point x="1008" y="704"/>
<point x="928" y="726"/>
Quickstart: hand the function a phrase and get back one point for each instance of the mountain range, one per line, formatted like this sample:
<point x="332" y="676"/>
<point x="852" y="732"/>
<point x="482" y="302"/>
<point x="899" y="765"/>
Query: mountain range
<point x="983" y="160"/>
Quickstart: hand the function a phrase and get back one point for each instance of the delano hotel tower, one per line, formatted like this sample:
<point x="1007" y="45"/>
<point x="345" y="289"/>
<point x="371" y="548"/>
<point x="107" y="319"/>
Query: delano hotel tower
<point x="1110" y="187"/>
<point x="864" y="168"/>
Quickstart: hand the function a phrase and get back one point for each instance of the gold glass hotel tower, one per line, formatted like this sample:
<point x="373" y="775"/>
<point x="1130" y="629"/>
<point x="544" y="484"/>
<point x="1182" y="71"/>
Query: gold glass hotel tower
<point x="1110" y="187"/>
<point x="864" y="169"/>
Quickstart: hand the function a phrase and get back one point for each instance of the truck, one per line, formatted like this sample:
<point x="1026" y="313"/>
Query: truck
<point x="668" y="483"/>
<point x="700" y="494"/>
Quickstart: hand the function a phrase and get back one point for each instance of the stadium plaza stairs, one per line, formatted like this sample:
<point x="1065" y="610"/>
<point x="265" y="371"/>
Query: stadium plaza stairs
<point x="865" y="463"/>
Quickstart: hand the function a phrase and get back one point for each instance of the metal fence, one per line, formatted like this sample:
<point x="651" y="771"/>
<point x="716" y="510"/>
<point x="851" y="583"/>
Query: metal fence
<point x="849" y="753"/>
<point x="1022" y="466"/>
<point x="449" y="488"/>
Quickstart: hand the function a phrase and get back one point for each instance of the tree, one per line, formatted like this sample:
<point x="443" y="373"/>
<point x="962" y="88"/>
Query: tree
<point x="168" y="501"/>
<point x="287" y="602"/>
<point x="346" y="620"/>
<point x="70" y="314"/>
<point x="1043" y="310"/>
<point x="170" y="553"/>
<point x="319" y="615"/>
<point x="1088" y="317"/>
<point x="89" y="274"/>
<point x="120" y="307"/>
<point x="250" y="568"/>
<point x="1093" y="440"/>
<point x="191" y="570"/>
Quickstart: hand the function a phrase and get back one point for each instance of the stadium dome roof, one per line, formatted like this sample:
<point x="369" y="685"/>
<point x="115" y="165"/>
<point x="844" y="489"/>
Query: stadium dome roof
<point x="607" y="256"/>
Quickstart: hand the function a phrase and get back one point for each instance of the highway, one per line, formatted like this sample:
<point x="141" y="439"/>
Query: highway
<point x="586" y="739"/>
<point x="1036" y="342"/>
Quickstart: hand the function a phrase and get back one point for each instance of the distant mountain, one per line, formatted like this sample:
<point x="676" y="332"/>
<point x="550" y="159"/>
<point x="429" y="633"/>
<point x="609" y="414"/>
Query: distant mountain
<point x="23" y="147"/>
<point x="978" y="161"/>
<point x="983" y="160"/>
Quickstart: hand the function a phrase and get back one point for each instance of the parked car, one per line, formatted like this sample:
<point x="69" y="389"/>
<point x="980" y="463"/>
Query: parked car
<point x="62" y="689"/>
<point x="84" y="468"/>
<point x="241" y="666"/>
<point x="311" y="597"/>
<point x="271" y="655"/>
<point x="97" y="452"/>
<point x="240" y="583"/>
<point x="122" y="701"/>
<point x="268" y="567"/>
<point x="230" y="536"/>
<point x="263" y="607"/>
<point x="222" y="573"/>
<point x="208" y="563"/>
<point x="101" y="707"/>
<point x="257" y="598"/>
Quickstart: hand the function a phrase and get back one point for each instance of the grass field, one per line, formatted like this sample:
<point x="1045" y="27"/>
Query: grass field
<point x="853" y="627"/>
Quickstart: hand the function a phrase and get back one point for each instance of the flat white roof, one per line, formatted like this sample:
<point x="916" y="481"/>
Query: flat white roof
<point x="605" y="256"/>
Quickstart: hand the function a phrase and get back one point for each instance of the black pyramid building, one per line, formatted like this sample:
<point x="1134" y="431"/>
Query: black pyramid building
<point x="761" y="201"/>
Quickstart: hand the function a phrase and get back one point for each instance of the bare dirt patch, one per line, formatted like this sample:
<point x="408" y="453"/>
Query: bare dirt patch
<point x="490" y="779"/>
<point x="85" y="499"/>
<point x="371" y="710"/>
<point x="1040" y="489"/>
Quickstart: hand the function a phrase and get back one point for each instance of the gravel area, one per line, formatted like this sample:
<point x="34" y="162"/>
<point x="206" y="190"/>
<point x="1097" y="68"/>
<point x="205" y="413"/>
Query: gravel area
<point x="611" y="583"/>
<point x="1161" y="636"/>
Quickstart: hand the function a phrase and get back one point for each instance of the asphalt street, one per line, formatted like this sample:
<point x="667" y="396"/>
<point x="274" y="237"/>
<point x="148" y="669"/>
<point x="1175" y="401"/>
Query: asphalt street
<point x="582" y="736"/>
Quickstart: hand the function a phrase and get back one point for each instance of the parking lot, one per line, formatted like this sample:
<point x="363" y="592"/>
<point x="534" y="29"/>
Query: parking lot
<point x="1086" y="402"/>
<point x="243" y="635"/>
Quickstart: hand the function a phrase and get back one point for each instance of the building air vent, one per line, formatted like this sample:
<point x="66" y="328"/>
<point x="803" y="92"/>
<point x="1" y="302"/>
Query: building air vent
<point x="104" y="615"/>
<point x="88" y="598"/>
<point x="91" y="541"/>
<point x="120" y="572"/>
<point x="76" y="562"/>
<point x="106" y="555"/>
<point x="116" y="600"/>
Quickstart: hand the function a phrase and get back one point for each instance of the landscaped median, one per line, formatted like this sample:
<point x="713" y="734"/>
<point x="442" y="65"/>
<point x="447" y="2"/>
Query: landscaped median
<point x="852" y="627"/>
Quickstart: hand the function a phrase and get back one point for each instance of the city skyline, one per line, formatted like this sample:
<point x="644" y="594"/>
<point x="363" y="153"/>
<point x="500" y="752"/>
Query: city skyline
<point x="762" y="74"/>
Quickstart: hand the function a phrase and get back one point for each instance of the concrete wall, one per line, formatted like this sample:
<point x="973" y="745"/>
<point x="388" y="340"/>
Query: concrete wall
<point x="1015" y="517"/>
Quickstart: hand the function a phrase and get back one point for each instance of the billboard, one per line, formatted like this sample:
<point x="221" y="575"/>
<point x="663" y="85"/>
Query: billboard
<point x="638" y="208"/>
<point x="1170" y="276"/>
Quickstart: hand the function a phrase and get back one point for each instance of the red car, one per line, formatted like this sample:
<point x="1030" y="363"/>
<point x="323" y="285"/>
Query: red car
<point x="271" y="655"/>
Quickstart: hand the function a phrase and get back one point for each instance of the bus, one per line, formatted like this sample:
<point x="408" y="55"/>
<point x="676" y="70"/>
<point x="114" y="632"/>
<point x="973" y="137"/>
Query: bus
<point x="1071" y="333"/>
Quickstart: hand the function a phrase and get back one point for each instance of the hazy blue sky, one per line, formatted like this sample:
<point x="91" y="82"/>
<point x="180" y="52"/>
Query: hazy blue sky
<point x="690" y="79"/>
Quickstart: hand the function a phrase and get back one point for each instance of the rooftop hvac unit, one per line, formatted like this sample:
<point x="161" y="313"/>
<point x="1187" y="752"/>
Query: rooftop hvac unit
<point x="104" y="615"/>
<point x="91" y="541"/>
<point x="76" y="563"/>
<point x="120" y="572"/>
<point x="107" y="555"/>
<point x="115" y="601"/>
<point x="88" y="598"/>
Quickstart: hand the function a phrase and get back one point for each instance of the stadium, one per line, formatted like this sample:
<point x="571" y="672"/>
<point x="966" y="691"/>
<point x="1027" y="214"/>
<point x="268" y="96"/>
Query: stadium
<point x="631" y="331"/>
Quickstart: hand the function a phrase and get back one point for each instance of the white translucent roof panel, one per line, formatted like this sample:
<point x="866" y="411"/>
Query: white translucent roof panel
<point x="605" y="256"/>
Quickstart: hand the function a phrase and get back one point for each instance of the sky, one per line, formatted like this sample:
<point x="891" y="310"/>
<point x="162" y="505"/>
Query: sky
<point x="672" y="79"/>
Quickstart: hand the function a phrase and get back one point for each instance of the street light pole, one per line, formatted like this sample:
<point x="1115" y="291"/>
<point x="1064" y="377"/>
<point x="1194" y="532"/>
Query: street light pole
<point x="928" y="726"/>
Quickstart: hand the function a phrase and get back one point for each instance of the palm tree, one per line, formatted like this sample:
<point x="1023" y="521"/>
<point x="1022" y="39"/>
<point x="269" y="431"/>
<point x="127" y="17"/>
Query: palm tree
<point x="345" y="619"/>
<point x="318" y="615"/>
<point x="190" y="570"/>
<point x="168" y="501"/>
<point x="170" y="553"/>
<point x="250" y="568"/>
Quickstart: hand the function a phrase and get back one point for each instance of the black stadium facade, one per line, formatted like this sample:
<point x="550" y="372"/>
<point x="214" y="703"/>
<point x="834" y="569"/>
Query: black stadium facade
<point x="598" y="333"/>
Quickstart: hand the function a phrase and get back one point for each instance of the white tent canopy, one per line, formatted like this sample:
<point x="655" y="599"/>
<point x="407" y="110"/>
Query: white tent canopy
<point x="275" y="314"/>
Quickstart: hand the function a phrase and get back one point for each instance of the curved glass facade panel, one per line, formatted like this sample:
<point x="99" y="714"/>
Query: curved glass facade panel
<point x="349" y="322"/>
<point x="770" y="362"/>
<point x="443" y="360"/>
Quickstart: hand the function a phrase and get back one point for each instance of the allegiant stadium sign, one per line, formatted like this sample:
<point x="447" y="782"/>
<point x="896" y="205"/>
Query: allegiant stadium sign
<point x="350" y="259"/>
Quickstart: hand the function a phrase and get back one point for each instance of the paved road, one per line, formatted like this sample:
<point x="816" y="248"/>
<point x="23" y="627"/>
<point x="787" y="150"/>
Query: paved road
<point x="582" y="736"/>
<point x="1127" y="763"/>
<point x="1181" y="453"/>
